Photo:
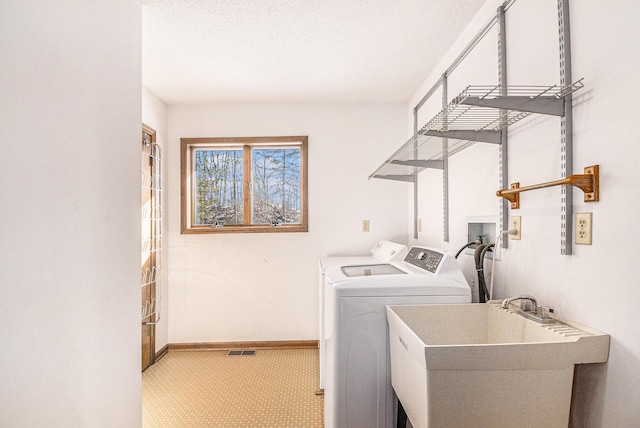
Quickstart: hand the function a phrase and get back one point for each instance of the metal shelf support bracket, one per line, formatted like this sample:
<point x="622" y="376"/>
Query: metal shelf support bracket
<point x="542" y="105"/>
<point x="482" y="136"/>
<point x="420" y="163"/>
<point x="407" y="178"/>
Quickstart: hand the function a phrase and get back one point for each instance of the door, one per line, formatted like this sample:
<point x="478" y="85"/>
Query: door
<point x="150" y="242"/>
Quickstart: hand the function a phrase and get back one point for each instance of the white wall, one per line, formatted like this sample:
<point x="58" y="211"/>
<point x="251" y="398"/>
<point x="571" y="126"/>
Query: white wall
<point x="69" y="213"/>
<point x="597" y="285"/>
<point x="155" y="115"/>
<point x="244" y="287"/>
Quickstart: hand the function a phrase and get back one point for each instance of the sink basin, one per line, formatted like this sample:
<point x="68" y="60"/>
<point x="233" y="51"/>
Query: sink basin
<point x="482" y="365"/>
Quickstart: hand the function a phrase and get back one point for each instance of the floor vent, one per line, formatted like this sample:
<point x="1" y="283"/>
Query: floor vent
<point x="234" y="353"/>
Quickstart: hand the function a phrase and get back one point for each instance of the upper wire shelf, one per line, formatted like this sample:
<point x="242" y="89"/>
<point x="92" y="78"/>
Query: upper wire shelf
<point x="477" y="114"/>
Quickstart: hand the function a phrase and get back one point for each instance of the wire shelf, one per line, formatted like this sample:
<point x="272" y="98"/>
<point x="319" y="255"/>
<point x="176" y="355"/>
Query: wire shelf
<point x="150" y="308"/>
<point x="153" y="182"/>
<point x="150" y="245"/>
<point x="483" y="107"/>
<point x="152" y="213"/>
<point x="477" y="114"/>
<point x="149" y="276"/>
<point x="418" y="153"/>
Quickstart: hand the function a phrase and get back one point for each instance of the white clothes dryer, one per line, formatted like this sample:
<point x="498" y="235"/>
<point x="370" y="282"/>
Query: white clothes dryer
<point x="382" y="252"/>
<point x="357" y="385"/>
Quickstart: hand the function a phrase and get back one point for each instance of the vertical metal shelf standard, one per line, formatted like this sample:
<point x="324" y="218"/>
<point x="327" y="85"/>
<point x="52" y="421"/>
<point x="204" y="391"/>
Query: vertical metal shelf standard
<point x="445" y="168"/>
<point x="503" y="149"/>
<point x="566" y="131"/>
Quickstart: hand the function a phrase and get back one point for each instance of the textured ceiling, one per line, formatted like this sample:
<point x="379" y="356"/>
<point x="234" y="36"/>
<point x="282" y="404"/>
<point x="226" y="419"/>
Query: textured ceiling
<point x="245" y="51"/>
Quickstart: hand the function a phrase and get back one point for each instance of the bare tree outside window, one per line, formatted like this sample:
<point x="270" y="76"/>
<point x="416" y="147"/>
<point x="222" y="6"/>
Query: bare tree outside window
<point x="244" y="184"/>
<point x="218" y="187"/>
<point x="276" y="186"/>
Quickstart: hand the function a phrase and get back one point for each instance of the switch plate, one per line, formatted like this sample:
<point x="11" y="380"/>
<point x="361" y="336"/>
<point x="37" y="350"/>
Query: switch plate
<point x="516" y="223"/>
<point x="365" y="225"/>
<point x="584" y="228"/>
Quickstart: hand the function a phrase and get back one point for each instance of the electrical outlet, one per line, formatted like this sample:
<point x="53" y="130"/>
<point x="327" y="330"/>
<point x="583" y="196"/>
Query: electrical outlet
<point x="365" y="225"/>
<point x="583" y="228"/>
<point x="516" y="223"/>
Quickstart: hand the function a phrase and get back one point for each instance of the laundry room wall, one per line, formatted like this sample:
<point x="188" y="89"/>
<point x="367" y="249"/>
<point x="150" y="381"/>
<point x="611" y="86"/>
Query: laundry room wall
<point x="264" y="286"/>
<point x="597" y="284"/>
<point x="70" y="213"/>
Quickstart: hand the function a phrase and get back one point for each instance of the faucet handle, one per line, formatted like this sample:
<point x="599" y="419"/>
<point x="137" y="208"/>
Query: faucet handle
<point x="546" y="312"/>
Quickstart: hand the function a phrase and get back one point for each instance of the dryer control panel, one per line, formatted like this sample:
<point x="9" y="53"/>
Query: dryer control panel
<point x="424" y="258"/>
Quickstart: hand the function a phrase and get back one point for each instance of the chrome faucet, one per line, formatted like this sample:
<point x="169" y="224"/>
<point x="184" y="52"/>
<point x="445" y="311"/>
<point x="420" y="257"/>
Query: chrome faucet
<point x="534" y="302"/>
<point x="530" y="310"/>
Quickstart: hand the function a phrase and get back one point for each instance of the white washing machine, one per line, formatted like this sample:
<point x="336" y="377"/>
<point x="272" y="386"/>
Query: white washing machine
<point x="382" y="252"/>
<point x="357" y="384"/>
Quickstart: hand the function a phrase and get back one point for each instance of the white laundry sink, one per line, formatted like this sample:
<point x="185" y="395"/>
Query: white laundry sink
<point x="484" y="366"/>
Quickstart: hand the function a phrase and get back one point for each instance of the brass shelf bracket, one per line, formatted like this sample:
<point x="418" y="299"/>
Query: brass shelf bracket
<point x="589" y="183"/>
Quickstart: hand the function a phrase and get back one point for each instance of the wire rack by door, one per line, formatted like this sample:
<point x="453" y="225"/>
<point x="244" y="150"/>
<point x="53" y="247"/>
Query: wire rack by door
<point x="151" y="245"/>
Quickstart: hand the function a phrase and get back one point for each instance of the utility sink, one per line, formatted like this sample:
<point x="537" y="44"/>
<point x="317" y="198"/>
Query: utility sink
<point x="482" y="365"/>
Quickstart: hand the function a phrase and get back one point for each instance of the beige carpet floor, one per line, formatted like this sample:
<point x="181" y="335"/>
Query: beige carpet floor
<point x="272" y="389"/>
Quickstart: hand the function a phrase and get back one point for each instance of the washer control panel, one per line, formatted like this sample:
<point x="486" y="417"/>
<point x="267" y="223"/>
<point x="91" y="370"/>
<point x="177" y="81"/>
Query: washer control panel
<point x="424" y="258"/>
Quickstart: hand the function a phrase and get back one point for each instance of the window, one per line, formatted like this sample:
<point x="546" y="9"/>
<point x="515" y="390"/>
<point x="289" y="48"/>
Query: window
<point x="243" y="184"/>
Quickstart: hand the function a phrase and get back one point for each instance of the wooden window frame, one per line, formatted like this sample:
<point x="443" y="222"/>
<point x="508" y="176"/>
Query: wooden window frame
<point x="187" y="145"/>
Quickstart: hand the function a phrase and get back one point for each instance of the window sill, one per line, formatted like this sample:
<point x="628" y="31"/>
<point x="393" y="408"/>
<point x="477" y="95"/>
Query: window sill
<point x="245" y="229"/>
